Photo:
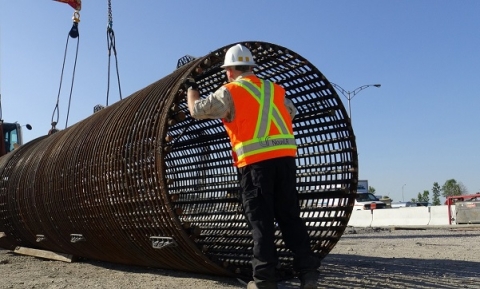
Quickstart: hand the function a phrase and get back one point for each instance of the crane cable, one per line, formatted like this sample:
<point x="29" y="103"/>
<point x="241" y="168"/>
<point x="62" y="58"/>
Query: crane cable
<point x="73" y="33"/>
<point x="111" y="46"/>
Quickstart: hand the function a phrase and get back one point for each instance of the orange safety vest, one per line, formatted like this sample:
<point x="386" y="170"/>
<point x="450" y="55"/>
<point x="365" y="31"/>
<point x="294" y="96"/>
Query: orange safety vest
<point x="262" y="127"/>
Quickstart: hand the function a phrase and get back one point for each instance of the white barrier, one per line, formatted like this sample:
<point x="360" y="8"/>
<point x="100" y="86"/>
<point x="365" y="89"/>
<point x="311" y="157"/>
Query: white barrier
<point x="439" y="215"/>
<point x="361" y="218"/>
<point x="409" y="216"/>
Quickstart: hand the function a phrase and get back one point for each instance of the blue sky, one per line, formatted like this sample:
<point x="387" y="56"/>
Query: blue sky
<point x="420" y="127"/>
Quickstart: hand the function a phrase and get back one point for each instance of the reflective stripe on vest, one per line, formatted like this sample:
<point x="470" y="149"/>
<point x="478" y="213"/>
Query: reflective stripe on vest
<point x="269" y="113"/>
<point x="260" y="145"/>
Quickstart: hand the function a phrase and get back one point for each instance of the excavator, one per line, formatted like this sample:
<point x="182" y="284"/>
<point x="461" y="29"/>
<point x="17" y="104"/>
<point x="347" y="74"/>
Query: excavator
<point x="12" y="136"/>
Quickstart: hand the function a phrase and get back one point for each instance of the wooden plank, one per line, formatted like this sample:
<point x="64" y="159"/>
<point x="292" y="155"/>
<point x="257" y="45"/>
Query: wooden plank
<point x="44" y="254"/>
<point x="2" y="234"/>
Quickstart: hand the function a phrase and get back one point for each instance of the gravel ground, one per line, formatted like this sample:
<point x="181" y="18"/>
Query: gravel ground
<point x="363" y="258"/>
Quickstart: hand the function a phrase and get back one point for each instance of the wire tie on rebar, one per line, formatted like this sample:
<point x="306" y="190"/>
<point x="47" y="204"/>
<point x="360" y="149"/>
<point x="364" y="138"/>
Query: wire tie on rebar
<point x="40" y="238"/>
<point x="77" y="238"/>
<point x="162" y="242"/>
<point x="98" y="108"/>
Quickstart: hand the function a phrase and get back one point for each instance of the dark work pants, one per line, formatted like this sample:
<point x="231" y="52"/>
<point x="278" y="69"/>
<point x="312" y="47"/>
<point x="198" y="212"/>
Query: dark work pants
<point x="269" y="194"/>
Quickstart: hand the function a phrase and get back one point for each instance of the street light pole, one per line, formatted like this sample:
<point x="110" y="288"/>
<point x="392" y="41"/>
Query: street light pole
<point x="350" y="94"/>
<point x="403" y="199"/>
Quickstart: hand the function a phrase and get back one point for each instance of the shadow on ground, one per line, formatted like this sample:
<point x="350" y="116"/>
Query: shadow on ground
<point x="350" y="271"/>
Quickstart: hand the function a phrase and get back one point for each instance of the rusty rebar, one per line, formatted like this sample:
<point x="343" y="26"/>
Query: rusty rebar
<point x="142" y="183"/>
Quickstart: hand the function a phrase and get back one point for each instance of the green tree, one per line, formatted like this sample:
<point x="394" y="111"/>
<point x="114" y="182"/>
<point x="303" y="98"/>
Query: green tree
<point x="436" y="194"/>
<point x="421" y="197"/>
<point x="371" y="190"/>
<point x="453" y="188"/>
<point x="424" y="197"/>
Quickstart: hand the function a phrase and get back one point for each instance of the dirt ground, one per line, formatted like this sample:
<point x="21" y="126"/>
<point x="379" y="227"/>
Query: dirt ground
<point x="364" y="258"/>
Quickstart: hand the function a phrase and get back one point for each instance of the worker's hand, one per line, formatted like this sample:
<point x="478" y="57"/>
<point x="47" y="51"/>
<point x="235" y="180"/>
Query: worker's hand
<point x="190" y="83"/>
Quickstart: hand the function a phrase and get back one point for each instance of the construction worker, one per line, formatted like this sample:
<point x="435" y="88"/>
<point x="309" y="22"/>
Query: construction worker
<point x="258" y="120"/>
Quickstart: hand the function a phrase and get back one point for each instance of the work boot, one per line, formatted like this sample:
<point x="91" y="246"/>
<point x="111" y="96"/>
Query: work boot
<point x="308" y="280"/>
<point x="263" y="285"/>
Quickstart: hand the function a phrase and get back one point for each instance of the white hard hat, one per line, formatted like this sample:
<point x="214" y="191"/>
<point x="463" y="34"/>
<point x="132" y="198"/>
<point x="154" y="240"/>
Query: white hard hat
<point x="238" y="55"/>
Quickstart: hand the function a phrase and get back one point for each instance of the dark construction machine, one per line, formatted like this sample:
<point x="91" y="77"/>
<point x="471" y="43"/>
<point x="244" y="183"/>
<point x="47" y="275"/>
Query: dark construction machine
<point x="12" y="136"/>
<point x="142" y="183"/>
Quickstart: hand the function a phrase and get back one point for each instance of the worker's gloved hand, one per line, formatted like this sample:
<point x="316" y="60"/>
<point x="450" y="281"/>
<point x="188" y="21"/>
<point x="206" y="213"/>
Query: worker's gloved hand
<point x="190" y="83"/>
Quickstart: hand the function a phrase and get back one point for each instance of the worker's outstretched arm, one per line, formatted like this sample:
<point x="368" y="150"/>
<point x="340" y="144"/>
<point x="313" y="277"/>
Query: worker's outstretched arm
<point x="192" y="96"/>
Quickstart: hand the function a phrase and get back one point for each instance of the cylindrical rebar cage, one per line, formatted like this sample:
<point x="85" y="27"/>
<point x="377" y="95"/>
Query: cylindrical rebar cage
<point x="142" y="183"/>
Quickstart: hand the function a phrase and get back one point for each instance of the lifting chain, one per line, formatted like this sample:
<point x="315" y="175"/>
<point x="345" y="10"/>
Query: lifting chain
<point x="111" y="46"/>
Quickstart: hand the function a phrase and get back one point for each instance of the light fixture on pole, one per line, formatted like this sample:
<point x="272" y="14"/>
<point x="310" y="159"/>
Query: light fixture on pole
<point x="350" y="94"/>
<point x="403" y="199"/>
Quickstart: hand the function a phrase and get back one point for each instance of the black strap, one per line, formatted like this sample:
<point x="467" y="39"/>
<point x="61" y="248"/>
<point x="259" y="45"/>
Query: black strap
<point x="74" y="33"/>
